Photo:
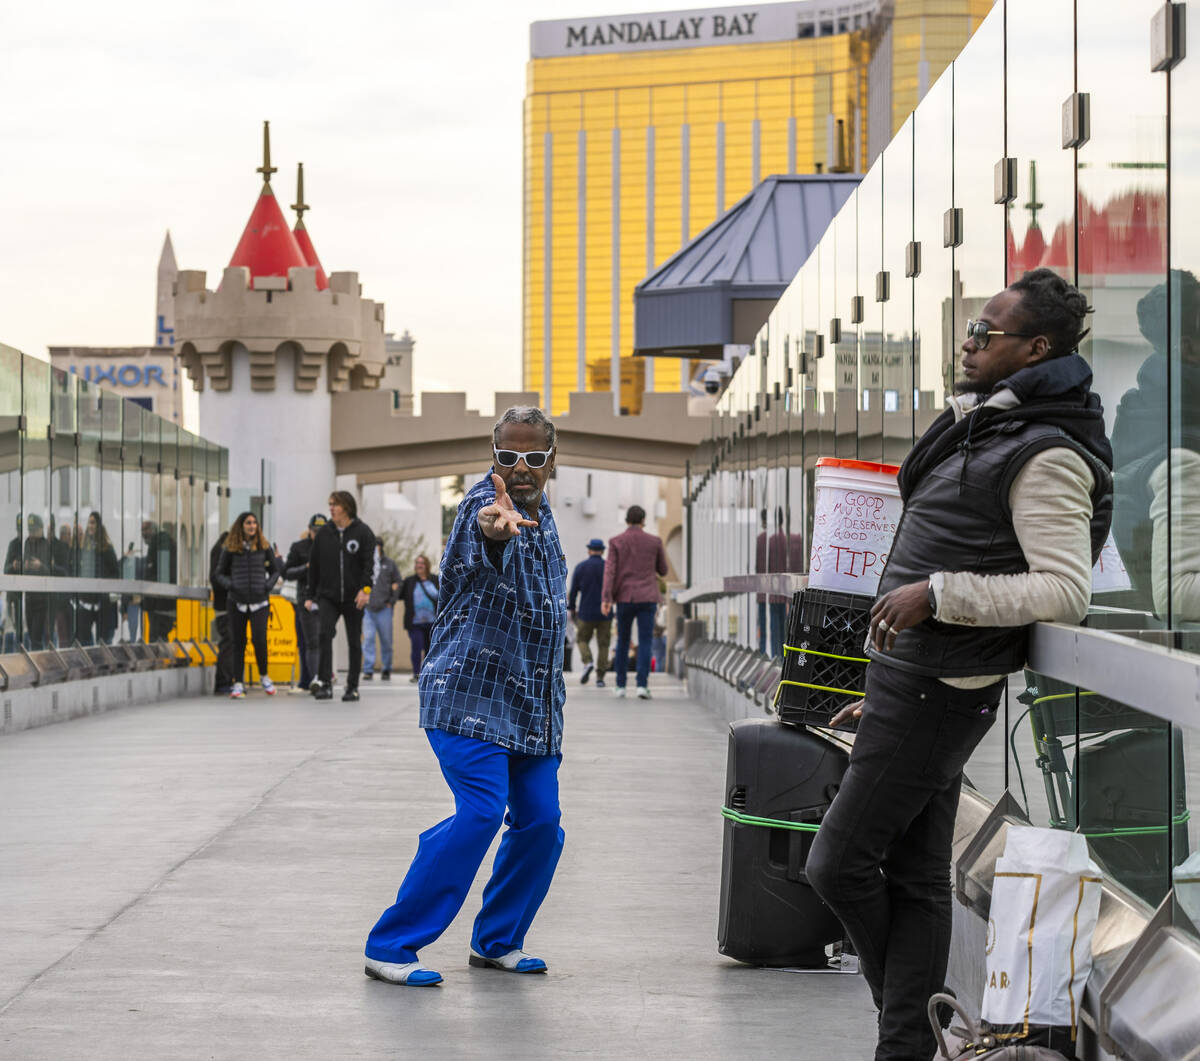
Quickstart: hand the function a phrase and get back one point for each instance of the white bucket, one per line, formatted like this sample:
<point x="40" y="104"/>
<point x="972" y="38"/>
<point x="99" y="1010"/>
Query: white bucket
<point x="857" y="509"/>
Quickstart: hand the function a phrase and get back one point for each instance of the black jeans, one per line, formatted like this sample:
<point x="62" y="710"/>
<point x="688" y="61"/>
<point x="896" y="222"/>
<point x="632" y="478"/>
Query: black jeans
<point x="224" y="677"/>
<point x="258" y="634"/>
<point x="881" y="859"/>
<point x="329" y="610"/>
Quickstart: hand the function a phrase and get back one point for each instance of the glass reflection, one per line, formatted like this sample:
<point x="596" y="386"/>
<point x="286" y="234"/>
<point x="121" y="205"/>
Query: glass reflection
<point x="870" y="272"/>
<point x="1110" y="771"/>
<point x="846" y="351"/>
<point x="1122" y="270"/>
<point x="11" y="612"/>
<point x="897" y="370"/>
<point x="38" y="556"/>
<point x="935" y="338"/>
<point x="1041" y="221"/>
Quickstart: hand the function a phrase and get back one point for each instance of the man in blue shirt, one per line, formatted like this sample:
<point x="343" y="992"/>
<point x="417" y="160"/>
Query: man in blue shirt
<point x="587" y="583"/>
<point x="492" y="698"/>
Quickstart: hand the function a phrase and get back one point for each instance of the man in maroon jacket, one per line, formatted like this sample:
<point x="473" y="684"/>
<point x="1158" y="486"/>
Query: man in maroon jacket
<point x="635" y="560"/>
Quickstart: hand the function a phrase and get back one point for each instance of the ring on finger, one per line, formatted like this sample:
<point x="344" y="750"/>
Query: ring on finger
<point x="884" y="626"/>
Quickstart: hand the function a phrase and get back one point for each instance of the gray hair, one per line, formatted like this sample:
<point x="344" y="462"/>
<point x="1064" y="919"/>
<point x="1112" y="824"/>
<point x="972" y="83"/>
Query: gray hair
<point x="525" y="414"/>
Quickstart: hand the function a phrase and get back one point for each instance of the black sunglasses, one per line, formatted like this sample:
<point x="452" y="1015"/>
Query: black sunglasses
<point x="981" y="332"/>
<point x="507" y="458"/>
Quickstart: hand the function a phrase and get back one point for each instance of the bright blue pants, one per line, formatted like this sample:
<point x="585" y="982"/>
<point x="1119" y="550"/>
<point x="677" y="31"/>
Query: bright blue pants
<point x="485" y="778"/>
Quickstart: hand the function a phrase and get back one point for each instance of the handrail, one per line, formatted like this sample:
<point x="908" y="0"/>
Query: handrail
<point x="1164" y="682"/>
<point x="72" y="584"/>
<point x="776" y="583"/>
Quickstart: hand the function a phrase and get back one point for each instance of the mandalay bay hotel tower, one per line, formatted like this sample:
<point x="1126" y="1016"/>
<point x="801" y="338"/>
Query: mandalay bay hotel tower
<point x="642" y="130"/>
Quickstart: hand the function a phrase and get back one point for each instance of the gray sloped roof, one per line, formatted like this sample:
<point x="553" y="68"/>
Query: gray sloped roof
<point x="750" y="253"/>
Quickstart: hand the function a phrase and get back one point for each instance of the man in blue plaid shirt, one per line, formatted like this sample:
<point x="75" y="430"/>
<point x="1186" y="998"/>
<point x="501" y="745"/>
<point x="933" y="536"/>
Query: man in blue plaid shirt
<point x="492" y="697"/>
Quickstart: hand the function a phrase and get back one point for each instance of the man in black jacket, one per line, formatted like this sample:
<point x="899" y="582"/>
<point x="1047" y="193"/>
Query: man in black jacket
<point x="1007" y="504"/>
<point x="341" y="571"/>
<point x="308" y="623"/>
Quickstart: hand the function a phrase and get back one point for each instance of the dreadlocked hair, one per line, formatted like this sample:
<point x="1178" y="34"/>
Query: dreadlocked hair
<point x="1052" y="307"/>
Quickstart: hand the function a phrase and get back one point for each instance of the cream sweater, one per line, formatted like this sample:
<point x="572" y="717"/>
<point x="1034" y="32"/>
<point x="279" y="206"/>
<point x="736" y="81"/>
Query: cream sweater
<point x="1180" y="536"/>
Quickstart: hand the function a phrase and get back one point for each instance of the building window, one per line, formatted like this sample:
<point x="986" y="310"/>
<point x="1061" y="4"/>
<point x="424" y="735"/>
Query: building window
<point x="145" y="403"/>
<point x="807" y="29"/>
<point x="827" y="29"/>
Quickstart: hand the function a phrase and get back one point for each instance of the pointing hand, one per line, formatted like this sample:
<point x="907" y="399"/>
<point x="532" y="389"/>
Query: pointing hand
<point x="501" y="520"/>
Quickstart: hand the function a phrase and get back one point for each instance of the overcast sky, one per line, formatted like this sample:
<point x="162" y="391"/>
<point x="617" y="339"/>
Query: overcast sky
<point x="126" y="119"/>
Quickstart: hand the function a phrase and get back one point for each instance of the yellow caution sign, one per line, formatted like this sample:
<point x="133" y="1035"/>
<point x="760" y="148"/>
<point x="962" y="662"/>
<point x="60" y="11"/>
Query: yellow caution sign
<point x="282" y="650"/>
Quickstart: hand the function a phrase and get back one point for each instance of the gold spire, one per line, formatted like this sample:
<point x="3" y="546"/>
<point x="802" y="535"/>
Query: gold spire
<point x="300" y="205"/>
<point x="266" y="169"/>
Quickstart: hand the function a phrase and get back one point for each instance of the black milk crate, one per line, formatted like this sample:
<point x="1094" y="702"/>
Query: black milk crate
<point x="824" y="666"/>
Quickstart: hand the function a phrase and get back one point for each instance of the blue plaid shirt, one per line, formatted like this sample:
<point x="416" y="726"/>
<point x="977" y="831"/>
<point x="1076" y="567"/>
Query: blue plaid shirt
<point x="494" y="669"/>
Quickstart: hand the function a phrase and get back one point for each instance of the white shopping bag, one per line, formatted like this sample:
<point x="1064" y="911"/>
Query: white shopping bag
<point x="1045" y="900"/>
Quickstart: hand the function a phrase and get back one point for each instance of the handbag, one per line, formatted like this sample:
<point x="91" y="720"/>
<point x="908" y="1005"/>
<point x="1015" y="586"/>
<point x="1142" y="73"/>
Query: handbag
<point x="1045" y="902"/>
<point x="982" y="1046"/>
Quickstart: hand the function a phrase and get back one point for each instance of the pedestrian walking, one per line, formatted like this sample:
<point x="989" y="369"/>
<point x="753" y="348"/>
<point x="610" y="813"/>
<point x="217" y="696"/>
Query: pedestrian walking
<point x="583" y="606"/>
<point x="341" y="573"/>
<point x="492" y="695"/>
<point x="224" y="679"/>
<point x="635" y="560"/>
<point x="308" y="622"/>
<point x="247" y="571"/>
<point x="420" y="595"/>
<point x="377" y="616"/>
<point x="1007" y="504"/>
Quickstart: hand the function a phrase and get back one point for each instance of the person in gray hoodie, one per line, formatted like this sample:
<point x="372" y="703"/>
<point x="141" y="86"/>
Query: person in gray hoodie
<point x="377" y="616"/>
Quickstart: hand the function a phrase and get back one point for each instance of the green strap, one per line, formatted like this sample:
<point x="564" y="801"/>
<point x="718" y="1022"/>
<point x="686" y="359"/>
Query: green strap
<point x="1145" y="830"/>
<point x="827" y="655"/>
<point x="1059" y="696"/>
<point x="767" y="823"/>
<point x="819" y="688"/>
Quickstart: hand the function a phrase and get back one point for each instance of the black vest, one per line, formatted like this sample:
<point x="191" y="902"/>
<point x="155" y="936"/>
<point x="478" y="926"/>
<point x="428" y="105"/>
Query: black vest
<point x="957" y="518"/>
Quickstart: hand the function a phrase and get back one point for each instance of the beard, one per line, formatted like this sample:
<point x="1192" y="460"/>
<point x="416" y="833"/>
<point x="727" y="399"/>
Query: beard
<point x="972" y="386"/>
<point x="524" y="491"/>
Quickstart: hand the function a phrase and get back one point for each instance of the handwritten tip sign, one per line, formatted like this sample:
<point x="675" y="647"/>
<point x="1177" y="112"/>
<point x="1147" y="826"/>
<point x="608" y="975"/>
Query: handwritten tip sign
<point x="853" y="526"/>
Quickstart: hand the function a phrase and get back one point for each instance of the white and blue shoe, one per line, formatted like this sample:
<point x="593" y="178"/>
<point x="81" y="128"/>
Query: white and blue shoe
<point x="410" y="974"/>
<point x="515" y="961"/>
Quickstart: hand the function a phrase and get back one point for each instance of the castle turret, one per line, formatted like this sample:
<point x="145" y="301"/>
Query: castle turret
<point x="266" y="349"/>
<point x="164" y="310"/>
<point x="301" y="231"/>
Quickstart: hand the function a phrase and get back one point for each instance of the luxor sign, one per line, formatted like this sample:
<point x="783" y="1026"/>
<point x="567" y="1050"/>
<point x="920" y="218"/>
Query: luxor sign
<point x="127" y="375"/>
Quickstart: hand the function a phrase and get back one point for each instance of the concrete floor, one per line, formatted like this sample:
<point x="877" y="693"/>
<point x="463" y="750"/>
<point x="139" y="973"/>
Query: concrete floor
<point x="195" y="880"/>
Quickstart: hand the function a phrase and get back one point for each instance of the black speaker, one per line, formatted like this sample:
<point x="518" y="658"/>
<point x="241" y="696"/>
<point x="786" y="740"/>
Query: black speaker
<point x="778" y="776"/>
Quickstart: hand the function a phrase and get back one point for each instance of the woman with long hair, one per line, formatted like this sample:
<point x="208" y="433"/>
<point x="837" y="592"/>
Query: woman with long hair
<point x="96" y="616"/>
<point x="420" y="595"/>
<point x="247" y="571"/>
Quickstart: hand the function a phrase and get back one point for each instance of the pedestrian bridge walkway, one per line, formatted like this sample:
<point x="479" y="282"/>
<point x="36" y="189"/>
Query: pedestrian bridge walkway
<point x="195" y="879"/>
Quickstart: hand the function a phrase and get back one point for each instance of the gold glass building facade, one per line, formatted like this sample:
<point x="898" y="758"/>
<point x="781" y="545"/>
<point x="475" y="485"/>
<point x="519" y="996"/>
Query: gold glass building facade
<point x="641" y="130"/>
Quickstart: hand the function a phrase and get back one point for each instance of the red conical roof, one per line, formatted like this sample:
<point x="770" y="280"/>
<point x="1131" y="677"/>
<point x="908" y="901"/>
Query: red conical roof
<point x="310" y="253"/>
<point x="267" y="246"/>
<point x="1060" y="252"/>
